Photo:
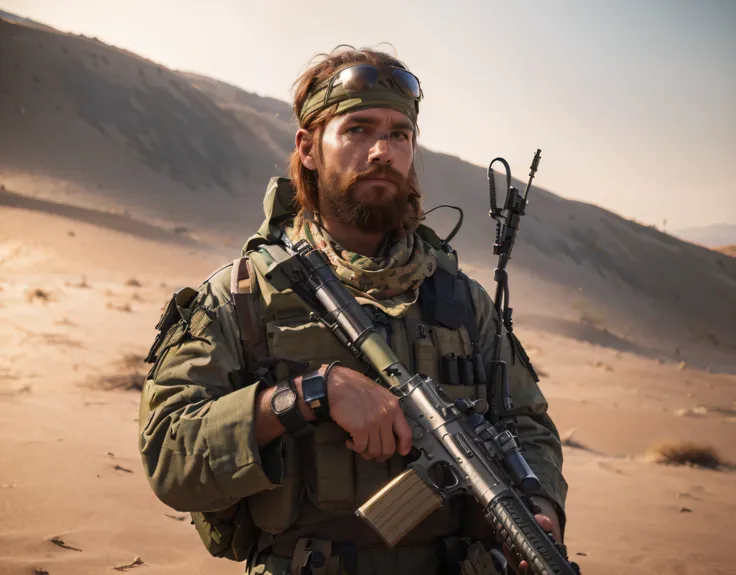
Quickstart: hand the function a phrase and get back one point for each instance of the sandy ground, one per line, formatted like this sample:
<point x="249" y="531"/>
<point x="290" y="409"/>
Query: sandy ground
<point x="68" y="431"/>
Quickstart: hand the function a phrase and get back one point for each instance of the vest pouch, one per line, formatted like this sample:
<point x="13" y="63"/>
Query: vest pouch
<point x="229" y="533"/>
<point x="465" y="370"/>
<point x="449" y="342"/>
<point x="302" y="340"/>
<point x="425" y="358"/>
<point x="329" y="470"/>
<point x="275" y="510"/>
<point x="449" y="369"/>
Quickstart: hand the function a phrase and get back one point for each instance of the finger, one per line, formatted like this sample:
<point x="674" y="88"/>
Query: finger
<point x="548" y="525"/>
<point x="523" y="567"/>
<point x="359" y="443"/>
<point x="544" y="522"/>
<point x="374" y="444"/>
<point x="388" y="443"/>
<point x="403" y="433"/>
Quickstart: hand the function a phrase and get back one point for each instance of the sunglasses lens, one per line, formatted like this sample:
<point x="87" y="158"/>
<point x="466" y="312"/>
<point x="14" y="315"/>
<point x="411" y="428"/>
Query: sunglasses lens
<point x="407" y="83"/>
<point x="358" y="78"/>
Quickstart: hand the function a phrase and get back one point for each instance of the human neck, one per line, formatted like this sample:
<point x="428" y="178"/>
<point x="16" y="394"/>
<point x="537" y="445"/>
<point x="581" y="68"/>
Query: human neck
<point x="352" y="239"/>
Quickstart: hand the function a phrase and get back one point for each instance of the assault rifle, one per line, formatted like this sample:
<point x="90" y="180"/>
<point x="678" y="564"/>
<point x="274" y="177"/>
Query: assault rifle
<point x="458" y="450"/>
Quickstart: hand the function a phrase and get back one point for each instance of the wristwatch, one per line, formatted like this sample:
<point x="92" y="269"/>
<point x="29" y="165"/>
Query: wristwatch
<point x="314" y="389"/>
<point x="284" y="404"/>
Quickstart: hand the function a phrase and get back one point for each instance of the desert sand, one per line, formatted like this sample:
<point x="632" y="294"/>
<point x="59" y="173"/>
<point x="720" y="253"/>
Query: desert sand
<point x="68" y="430"/>
<point x="631" y="330"/>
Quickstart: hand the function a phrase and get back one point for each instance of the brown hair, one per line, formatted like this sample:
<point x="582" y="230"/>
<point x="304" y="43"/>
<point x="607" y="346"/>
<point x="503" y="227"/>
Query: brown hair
<point x="305" y="180"/>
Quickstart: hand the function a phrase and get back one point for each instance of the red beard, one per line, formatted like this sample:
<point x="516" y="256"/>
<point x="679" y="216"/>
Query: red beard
<point x="387" y="210"/>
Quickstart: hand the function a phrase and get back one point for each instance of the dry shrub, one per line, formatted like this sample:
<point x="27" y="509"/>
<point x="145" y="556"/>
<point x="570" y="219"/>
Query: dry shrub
<point x="567" y="439"/>
<point x="38" y="294"/>
<point x="603" y="366"/>
<point x="128" y="374"/>
<point x="685" y="453"/>
<point x="133" y="282"/>
<point x="82" y="283"/>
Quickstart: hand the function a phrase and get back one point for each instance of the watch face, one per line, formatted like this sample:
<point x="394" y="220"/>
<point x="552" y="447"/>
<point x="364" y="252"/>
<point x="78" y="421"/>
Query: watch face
<point x="283" y="400"/>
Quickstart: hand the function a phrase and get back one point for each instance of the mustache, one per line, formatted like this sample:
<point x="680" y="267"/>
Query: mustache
<point x="380" y="171"/>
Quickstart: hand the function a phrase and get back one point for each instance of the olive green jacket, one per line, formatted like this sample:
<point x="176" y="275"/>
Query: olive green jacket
<point x="196" y="437"/>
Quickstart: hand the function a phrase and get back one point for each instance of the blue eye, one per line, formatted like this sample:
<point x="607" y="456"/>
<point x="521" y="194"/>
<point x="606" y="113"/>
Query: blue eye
<point x="356" y="130"/>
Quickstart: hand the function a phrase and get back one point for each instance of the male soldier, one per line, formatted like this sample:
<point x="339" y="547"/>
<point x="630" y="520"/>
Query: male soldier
<point x="273" y="459"/>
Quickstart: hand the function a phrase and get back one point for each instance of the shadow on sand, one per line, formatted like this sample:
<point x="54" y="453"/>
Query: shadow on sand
<point x="116" y="222"/>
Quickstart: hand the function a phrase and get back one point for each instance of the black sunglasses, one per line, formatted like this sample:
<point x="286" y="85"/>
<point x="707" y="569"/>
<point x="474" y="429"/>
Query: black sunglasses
<point x="366" y="76"/>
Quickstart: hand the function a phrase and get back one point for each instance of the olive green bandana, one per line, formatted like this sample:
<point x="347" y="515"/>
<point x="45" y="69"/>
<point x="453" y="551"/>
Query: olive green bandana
<point x="358" y="101"/>
<point x="381" y="95"/>
<point x="403" y="264"/>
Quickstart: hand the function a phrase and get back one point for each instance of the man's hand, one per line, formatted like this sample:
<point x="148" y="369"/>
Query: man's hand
<point x="548" y="520"/>
<point x="369" y="413"/>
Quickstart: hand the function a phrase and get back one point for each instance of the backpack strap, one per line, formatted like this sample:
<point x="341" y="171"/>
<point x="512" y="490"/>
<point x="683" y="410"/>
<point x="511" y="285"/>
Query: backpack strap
<point x="244" y="290"/>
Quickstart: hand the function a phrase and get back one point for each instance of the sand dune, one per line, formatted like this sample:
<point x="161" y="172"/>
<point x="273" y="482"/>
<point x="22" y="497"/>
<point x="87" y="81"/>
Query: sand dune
<point x="123" y="181"/>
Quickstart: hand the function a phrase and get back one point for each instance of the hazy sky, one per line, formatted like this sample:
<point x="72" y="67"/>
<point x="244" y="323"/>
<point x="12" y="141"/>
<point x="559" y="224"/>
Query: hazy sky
<point x="632" y="102"/>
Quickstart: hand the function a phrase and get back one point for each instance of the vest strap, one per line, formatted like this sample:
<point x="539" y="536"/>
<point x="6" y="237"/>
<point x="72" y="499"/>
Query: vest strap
<point x="244" y="290"/>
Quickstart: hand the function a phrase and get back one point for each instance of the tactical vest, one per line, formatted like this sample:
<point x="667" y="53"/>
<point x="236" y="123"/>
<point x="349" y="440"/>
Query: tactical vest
<point x="323" y="481"/>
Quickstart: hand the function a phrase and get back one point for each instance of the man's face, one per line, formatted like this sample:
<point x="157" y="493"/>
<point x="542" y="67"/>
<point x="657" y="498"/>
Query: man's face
<point x="363" y="172"/>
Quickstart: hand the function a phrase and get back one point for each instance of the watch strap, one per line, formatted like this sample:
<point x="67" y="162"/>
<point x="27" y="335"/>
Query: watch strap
<point x="290" y="417"/>
<point x="314" y="389"/>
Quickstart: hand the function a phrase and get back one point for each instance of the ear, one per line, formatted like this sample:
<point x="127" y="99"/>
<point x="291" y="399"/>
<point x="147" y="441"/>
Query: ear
<point x="307" y="151"/>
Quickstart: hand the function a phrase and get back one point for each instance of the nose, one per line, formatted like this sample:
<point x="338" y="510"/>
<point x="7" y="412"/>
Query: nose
<point x="381" y="152"/>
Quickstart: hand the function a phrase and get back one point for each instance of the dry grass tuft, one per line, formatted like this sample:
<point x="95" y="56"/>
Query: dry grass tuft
<point x="38" y="294"/>
<point x="567" y="439"/>
<point x="122" y="307"/>
<point x="81" y="284"/>
<point x="603" y="366"/>
<point x="128" y="375"/>
<point x="133" y="282"/>
<point x="685" y="453"/>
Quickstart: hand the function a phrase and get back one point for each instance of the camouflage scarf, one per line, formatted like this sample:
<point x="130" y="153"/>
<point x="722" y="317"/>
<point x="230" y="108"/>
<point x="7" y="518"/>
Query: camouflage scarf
<point x="401" y="267"/>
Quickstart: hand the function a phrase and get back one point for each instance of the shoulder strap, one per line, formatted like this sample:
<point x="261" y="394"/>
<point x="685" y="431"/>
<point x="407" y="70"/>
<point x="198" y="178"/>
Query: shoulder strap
<point x="244" y="289"/>
<point x="470" y="318"/>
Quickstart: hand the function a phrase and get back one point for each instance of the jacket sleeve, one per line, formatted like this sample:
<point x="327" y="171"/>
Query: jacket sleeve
<point x="536" y="431"/>
<point x="196" y="435"/>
